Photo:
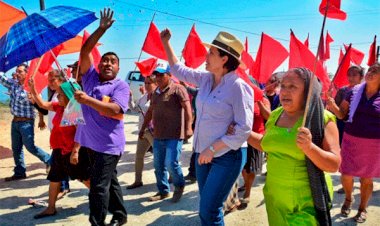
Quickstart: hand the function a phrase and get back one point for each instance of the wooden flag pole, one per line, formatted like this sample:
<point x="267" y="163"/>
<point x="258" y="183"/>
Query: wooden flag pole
<point x="315" y="66"/>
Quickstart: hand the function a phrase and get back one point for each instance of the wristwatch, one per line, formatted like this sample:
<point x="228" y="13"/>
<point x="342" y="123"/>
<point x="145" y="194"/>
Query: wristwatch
<point x="212" y="149"/>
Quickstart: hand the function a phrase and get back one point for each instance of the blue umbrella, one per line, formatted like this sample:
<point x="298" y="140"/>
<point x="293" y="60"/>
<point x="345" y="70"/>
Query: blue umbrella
<point x="36" y="34"/>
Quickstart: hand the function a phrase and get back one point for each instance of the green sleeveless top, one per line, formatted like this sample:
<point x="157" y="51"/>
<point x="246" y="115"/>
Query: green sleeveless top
<point x="287" y="192"/>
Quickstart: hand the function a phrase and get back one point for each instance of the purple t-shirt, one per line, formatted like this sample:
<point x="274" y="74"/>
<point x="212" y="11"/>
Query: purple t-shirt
<point x="366" y="120"/>
<point x="101" y="133"/>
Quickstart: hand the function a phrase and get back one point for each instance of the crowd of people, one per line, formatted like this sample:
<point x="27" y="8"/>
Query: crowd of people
<point x="235" y="130"/>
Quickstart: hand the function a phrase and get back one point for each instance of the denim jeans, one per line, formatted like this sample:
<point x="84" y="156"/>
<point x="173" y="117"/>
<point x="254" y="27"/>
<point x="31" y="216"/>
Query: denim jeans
<point x="22" y="133"/>
<point x="105" y="191"/>
<point x="166" y="154"/>
<point x="215" y="181"/>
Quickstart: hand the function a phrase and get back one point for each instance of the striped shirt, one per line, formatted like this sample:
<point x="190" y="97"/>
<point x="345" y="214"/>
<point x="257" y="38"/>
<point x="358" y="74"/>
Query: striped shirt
<point x="19" y="101"/>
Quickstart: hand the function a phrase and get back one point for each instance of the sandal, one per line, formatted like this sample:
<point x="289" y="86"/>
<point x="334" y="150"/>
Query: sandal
<point x="244" y="204"/>
<point x="346" y="208"/>
<point x="361" y="216"/>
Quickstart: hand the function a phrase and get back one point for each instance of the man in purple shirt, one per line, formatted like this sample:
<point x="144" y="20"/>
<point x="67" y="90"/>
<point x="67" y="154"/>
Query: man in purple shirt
<point x="104" y="99"/>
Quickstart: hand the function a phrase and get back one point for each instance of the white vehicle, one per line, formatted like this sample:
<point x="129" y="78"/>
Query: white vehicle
<point x="135" y="81"/>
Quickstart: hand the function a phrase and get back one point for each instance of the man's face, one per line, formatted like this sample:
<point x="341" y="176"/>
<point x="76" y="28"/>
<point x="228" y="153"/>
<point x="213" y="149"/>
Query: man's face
<point x="108" y="67"/>
<point x="162" y="79"/>
<point x="21" y="74"/>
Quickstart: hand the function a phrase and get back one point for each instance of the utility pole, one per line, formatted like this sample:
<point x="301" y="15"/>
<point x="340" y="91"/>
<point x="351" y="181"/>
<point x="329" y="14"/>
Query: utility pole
<point x="42" y="5"/>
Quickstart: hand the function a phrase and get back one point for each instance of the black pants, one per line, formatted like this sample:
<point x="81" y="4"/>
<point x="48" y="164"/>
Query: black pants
<point x="105" y="191"/>
<point x="192" y="165"/>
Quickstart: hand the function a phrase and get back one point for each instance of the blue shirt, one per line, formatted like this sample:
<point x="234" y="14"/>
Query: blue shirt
<point x="230" y="102"/>
<point x="100" y="133"/>
<point x="19" y="101"/>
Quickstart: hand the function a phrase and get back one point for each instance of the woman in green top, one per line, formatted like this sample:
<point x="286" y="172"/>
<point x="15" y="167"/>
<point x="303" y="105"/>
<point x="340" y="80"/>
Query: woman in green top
<point x="287" y="192"/>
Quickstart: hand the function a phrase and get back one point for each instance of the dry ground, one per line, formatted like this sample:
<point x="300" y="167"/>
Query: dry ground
<point x="73" y="208"/>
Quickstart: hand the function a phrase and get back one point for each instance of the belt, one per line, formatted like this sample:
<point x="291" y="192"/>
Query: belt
<point x="21" y="119"/>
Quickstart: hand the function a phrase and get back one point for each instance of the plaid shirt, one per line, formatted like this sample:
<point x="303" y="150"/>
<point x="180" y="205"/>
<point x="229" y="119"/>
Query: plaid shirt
<point x="20" y="104"/>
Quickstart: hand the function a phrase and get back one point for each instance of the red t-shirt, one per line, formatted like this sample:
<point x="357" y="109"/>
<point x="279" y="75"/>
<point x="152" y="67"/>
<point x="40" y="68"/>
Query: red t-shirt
<point x="258" y="122"/>
<point x="61" y="137"/>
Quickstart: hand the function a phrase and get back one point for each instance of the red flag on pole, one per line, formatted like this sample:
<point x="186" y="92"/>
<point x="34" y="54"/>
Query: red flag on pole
<point x="340" y="78"/>
<point x="357" y="56"/>
<point x="257" y="92"/>
<point x="333" y="9"/>
<point x="153" y="44"/>
<point x="301" y="56"/>
<point x="269" y="56"/>
<point x="194" y="51"/>
<point x="306" y="43"/>
<point x="372" y="53"/>
<point x="147" y="66"/>
<point x="40" y="78"/>
<point x="327" y="46"/>
<point x="94" y="52"/>
<point x="247" y="58"/>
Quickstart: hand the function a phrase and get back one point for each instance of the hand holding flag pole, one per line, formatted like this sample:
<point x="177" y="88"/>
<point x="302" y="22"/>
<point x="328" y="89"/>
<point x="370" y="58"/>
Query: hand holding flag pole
<point x="315" y="65"/>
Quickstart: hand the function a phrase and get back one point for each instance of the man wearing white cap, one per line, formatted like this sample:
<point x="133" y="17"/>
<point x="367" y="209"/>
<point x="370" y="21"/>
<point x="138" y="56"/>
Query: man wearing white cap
<point x="170" y="111"/>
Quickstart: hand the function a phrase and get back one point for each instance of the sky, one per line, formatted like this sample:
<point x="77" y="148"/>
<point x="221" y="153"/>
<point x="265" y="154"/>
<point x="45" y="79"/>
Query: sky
<point x="245" y="18"/>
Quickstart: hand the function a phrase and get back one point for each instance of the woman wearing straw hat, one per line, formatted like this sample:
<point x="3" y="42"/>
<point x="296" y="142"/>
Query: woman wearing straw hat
<point x="223" y="99"/>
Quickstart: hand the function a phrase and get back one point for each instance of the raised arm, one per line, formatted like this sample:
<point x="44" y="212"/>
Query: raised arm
<point x="37" y="98"/>
<point x="106" y="21"/>
<point x="340" y="111"/>
<point x="165" y="37"/>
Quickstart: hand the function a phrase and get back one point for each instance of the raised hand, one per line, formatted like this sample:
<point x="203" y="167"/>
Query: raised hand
<point x="165" y="35"/>
<point x="106" y="18"/>
<point x="31" y="85"/>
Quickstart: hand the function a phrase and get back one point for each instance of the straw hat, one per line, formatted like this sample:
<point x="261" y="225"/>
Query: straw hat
<point x="228" y="43"/>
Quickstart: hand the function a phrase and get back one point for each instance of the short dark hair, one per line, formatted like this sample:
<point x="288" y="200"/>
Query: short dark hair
<point x="111" y="53"/>
<point x="357" y="69"/>
<point x="58" y="74"/>
<point x="25" y="66"/>
<point x="232" y="63"/>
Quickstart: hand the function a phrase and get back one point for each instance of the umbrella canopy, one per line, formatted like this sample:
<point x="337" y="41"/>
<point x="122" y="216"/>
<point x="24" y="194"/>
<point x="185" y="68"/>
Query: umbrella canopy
<point x="40" y="32"/>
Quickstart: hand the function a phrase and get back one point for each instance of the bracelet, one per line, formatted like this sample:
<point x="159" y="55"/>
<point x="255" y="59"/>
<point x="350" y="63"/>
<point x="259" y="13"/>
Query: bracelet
<point x="212" y="149"/>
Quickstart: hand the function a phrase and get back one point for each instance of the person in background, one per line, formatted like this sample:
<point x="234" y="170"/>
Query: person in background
<point x="170" y="113"/>
<point x="223" y="98"/>
<point x="271" y="91"/>
<point x="104" y="100"/>
<point x="288" y="190"/>
<point x="146" y="142"/>
<point x="360" y="147"/>
<point x="62" y="143"/>
<point x="22" y="129"/>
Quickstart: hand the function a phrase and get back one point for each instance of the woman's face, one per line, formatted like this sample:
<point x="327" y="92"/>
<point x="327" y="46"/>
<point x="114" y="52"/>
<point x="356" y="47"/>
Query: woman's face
<point x="53" y="81"/>
<point x="214" y="62"/>
<point x="62" y="99"/>
<point x="354" y="77"/>
<point x="373" y="76"/>
<point x="292" y="92"/>
<point x="150" y="86"/>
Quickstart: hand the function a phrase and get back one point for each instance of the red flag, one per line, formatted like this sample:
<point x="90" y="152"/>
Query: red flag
<point x="40" y="78"/>
<point x="357" y="56"/>
<point x="257" y="92"/>
<point x="301" y="56"/>
<point x="340" y="56"/>
<point x="269" y="56"/>
<point x="333" y="10"/>
<point x="94" y="52"/>
<point x="306" y="43"/>
<point x="147" y="66"/>
<point x="194" y="51"/>
<point x="327" y="46"/>
<point x="372" y="53"/>
<point x="321" y="50"/>
<point x="153" y="44"/>
<point x="247" y="58"/>
<point x="340" y="78"/>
